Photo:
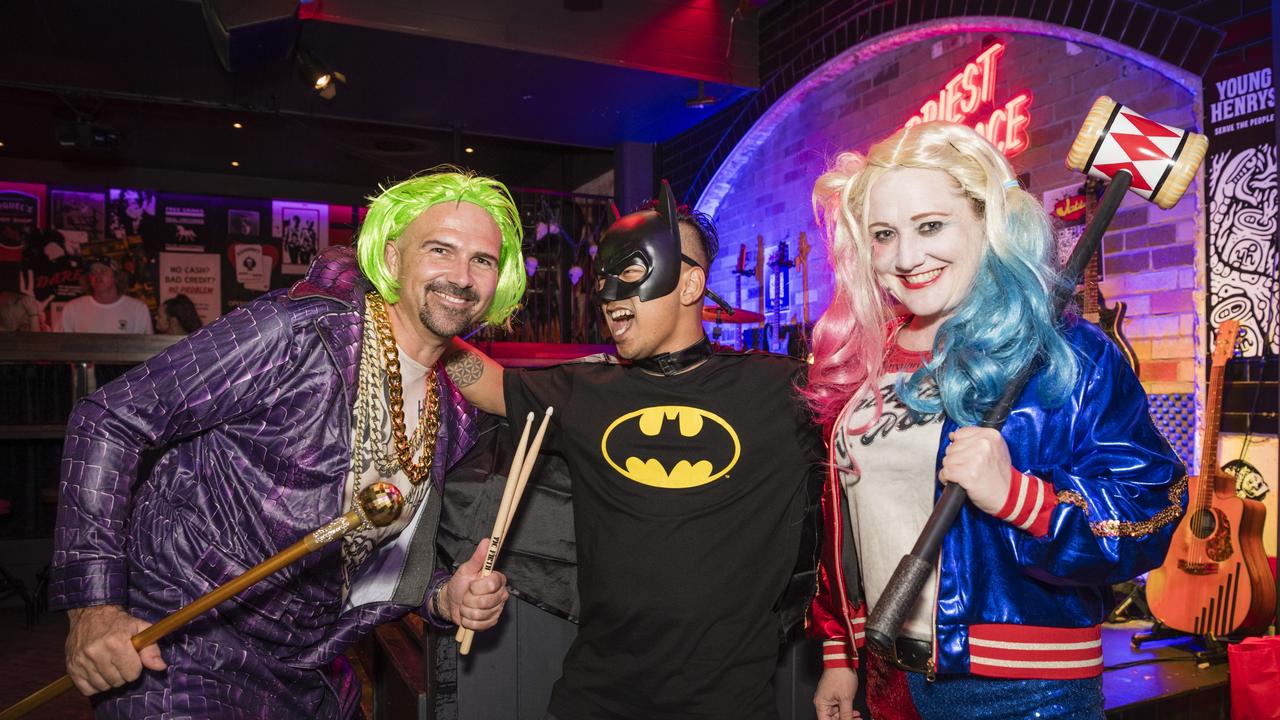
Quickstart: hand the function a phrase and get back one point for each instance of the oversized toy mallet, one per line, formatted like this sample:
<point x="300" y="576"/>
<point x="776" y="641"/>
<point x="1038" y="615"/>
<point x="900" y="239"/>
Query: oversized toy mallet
<point x="1134" y="153"/>
<point x="378" y="505"/>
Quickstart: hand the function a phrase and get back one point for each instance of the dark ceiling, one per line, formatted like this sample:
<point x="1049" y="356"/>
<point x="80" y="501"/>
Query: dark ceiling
<point x="146" y="71"/>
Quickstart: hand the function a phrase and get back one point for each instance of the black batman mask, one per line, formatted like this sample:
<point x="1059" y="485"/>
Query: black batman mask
<point x="650" y="239"/>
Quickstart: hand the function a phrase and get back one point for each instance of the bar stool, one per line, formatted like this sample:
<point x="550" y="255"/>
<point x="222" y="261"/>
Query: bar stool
<point x="10" y="585"/>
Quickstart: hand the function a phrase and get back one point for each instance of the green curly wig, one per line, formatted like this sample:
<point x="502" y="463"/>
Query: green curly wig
<point x="397" y="206"/>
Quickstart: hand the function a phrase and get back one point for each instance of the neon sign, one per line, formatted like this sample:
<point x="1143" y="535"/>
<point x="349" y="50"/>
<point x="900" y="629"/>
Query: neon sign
<point x="974" y="88"/>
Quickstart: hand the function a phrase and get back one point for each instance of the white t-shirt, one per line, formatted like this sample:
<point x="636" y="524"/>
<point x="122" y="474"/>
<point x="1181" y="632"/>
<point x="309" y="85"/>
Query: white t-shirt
<point x="125" y="315"/>
<point x="888" y="474"/>
<point x="371" y="461"/>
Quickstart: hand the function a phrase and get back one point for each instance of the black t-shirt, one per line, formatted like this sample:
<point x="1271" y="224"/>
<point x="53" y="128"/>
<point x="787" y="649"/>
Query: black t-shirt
<point x="689" y="494"/>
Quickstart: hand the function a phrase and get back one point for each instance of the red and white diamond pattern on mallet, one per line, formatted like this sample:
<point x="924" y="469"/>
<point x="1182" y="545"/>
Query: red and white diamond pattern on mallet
<point x="1145" y="148"/>
<point x="1161" y="160"/>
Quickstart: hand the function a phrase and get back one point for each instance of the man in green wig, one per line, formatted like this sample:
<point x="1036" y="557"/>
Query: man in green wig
<point x="261" y="427"/>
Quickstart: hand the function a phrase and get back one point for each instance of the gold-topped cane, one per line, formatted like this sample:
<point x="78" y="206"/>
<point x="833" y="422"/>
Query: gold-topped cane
<point x="379" y="505"/>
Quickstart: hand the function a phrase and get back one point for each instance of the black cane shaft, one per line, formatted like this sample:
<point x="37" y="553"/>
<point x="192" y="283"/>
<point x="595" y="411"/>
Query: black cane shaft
<point x="1092" y="235"/>
<point x="913" y="570"/>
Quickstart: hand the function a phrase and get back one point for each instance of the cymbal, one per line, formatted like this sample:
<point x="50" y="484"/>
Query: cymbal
<point x="716" y="314"/>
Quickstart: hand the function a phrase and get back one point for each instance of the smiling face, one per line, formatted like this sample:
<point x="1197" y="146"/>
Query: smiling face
<point x="671" y="322"/>
<point x="446" y="262"/>
<point x="926" y="244"/>
<point x="643" y="329"/>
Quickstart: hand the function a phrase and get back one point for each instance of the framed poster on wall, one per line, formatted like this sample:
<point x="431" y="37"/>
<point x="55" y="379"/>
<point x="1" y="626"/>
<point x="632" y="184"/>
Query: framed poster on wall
<point x="303" y="231"/>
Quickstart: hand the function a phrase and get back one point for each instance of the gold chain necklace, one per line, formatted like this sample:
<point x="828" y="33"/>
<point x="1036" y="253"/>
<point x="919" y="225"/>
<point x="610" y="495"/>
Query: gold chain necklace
<point x="418" y="471"/>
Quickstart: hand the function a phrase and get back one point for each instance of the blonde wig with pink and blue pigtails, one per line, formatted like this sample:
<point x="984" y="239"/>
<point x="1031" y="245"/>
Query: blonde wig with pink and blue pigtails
<point x="1005" y="323"/>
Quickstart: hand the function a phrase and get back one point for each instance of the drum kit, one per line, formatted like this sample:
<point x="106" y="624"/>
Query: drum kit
<point x="777" y="336"/>
<point x="729" y="316"/>
<point x="794" y="337"/>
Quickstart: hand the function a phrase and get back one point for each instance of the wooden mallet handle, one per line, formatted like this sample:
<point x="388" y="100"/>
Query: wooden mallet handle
<point x="380" y="504"/>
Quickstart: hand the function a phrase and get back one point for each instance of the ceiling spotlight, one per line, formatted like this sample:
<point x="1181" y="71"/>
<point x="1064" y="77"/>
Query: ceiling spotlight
<point x="235" y="163"/>
<point x="702" y="100"/>
<point x="323" y="79"/>
<point x="1" y="143"/>
<point x="468" y="150"/>
<point x="237" y="125"/>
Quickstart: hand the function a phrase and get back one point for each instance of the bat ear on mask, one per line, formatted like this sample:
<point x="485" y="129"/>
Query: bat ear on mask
<point x="667" y="208"/>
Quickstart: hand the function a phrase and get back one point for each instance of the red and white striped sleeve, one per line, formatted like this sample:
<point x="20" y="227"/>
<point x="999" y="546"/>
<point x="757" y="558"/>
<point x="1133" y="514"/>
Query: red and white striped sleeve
<point x="838" y="652"/>
<point x="1030" y="503"/>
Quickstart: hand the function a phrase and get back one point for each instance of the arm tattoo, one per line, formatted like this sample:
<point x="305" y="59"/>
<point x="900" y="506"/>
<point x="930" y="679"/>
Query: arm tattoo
<point x="464" y="369"/>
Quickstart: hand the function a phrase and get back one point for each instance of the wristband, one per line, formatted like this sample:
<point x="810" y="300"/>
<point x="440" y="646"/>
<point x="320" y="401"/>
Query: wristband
<point x="435" y="602"/>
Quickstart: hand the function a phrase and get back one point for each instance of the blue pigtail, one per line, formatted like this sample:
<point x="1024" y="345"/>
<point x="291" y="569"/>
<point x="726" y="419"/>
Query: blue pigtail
<point x="1005" y="324"/>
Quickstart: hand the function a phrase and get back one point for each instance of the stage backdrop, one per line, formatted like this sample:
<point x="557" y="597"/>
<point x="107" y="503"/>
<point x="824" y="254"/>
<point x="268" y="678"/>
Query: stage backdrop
<point x="1029" y="93"/>
<point x="1031" y="97"/>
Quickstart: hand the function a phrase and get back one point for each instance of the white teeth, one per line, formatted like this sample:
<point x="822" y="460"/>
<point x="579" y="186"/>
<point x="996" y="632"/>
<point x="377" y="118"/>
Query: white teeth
<point x="452" y="299"/>
<point x="621" y="314"/>
<point x="923" y="277"/>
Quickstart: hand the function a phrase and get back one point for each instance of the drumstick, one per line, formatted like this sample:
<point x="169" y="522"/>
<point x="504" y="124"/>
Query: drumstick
<point x="526" y="469"/>
<point x="507" y="512"/>
<point x="513" y="476"/>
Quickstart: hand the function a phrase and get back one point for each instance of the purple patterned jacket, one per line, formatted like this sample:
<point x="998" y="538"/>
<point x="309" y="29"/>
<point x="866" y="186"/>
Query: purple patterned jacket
<point x="245" y="427"/>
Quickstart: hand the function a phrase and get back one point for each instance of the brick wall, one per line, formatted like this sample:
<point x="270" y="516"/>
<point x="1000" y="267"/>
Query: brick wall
<point x="798" y="37"/>
<point x="1148" y="257"/>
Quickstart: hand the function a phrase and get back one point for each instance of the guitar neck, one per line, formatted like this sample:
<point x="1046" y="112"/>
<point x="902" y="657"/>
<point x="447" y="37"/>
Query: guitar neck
<point x="1089" y="297"/>
<point x="1212" y="419"/>
<point x="1224" y="345"/>
<point x="802" y="259"/>
<point x="1090" y="293"/>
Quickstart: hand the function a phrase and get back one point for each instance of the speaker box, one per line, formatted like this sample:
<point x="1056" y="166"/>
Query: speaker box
<point x="248" y="33"/>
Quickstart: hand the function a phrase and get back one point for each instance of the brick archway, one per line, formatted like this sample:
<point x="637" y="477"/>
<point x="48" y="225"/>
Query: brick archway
<point x="784" y="131"/>
<point x="716" y="179"/>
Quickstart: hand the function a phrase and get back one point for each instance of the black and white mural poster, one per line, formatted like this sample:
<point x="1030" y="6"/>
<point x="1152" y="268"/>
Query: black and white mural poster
<point x="1240" y="174"/>
<point x="303" y="231"/>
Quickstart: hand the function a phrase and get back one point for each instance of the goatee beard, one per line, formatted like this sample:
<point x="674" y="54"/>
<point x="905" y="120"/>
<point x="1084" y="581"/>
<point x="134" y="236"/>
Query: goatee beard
<point x="446" y="321"/>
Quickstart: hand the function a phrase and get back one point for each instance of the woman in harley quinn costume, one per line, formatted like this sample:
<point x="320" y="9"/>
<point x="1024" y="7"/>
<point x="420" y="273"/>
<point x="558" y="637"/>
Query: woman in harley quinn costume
<point x="1078" y="491"/>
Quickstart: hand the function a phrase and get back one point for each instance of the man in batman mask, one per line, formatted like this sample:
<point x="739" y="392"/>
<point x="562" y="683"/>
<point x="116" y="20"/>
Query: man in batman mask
<point x="694" y="477"/>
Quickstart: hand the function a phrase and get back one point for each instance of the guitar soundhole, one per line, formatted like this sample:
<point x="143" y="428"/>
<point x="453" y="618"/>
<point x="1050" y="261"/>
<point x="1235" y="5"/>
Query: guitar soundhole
<point x="1203" y="523"/>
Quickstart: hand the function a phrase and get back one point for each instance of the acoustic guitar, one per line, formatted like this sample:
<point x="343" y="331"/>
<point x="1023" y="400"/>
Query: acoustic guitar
<point x="1092" y="305"/>
<point x="1215" y="580"/>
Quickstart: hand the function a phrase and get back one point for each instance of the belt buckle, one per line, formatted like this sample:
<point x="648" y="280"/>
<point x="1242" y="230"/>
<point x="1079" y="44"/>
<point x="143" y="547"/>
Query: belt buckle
<point x="904" y="663"/>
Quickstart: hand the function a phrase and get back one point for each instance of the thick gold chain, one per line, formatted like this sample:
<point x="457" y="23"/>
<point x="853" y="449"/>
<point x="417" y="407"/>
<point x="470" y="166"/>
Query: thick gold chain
<point x="418" y="471"/>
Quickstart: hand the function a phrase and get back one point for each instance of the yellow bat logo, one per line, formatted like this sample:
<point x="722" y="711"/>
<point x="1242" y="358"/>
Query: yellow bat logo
<point x="703" y="449"/>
